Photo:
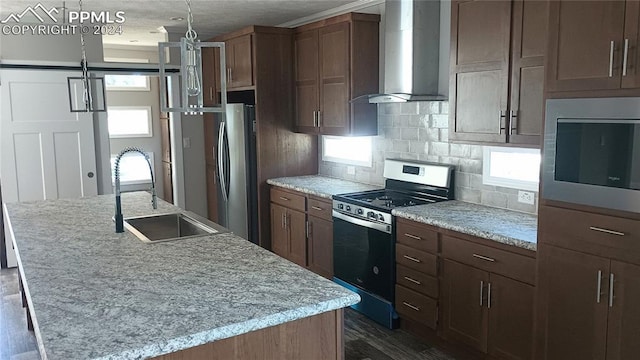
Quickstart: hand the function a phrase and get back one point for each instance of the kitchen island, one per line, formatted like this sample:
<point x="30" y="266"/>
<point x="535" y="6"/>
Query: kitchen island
<point x="96" y="294"/>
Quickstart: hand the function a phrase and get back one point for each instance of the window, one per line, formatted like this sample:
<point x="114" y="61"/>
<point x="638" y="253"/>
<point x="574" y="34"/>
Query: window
<point x="347" y="150"/>
<point x="133" y="168"/>
<point x="129" y="121"/>
<point x="511" y="167"/>
<point x="127" y="82"/>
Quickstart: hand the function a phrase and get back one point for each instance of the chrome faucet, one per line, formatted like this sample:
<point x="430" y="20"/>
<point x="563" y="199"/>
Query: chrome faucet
<point x="154" y="202"/>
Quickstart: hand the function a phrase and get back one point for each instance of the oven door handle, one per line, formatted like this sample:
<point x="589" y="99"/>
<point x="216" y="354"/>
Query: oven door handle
<point x="376" y="226"/>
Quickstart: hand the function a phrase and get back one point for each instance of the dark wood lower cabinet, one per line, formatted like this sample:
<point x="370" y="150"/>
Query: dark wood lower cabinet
<point x="624" y="312"/>
<point x="279" y="233"/>
<point x="288" y="234"/>
<point x="464" y="304"/>
<point x="318" y="337"/>
<point x="320" y="246"/>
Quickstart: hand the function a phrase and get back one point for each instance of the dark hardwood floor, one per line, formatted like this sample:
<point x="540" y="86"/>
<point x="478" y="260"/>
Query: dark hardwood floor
<point x="364" y="339"/>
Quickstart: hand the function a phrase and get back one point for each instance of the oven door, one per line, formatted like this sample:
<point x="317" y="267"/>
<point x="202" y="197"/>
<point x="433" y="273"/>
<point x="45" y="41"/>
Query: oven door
<point x="363" y="254"/>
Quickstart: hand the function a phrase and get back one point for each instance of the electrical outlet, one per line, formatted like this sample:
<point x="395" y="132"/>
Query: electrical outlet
<point x="351" y="170"/>
<point x="526" y="197"/>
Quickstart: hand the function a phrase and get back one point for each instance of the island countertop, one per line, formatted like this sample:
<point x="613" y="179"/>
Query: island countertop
<point x="95" y="294"/>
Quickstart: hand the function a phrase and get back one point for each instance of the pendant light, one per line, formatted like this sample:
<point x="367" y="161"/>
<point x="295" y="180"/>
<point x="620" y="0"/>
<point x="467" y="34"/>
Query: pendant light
<point x="190" y="76"/>
<point x="86" y="93"/>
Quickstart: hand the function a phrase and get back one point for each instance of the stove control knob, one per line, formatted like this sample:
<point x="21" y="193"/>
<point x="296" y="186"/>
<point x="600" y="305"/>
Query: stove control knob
<point x="380" y="217"/>
<point x="370" y="214"/>
<point x="340" y="206"/>
<point x="348" y="208"/>
<point x="360" y="211"/>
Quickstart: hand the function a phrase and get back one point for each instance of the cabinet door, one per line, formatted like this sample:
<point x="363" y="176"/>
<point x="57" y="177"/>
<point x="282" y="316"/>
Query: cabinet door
<point x="480" y="35"/>
<point x="306" y="72"/>
<point x="297" y="223"/>
<point x="624" y="312"/>
<point x="320" y="246"/>
<point x="334" y="79"/>
<point x="209" y="75"/>
<point x="239" y="61"/>
<point x="573" y="313"/>
<point x="527" y="71"/>
<point x="510" y="319"/>
<point x="165" y="139"/>
<point x="464" y="304"/>
<point x="585" y="45"/>
<point x="630" y="72"/>
<point x="279" y="231"/>
<point x="167" y="182"/>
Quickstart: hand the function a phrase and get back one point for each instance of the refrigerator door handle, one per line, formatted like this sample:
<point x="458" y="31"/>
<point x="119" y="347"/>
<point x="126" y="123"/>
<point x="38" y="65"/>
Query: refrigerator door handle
<point x="221" y="174"/>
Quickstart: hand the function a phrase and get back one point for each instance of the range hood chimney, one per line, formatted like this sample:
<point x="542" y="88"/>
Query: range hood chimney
<point x="412" y="65"/>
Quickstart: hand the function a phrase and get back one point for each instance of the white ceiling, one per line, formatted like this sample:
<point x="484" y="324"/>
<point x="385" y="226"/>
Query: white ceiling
<point x="144" y="18"/>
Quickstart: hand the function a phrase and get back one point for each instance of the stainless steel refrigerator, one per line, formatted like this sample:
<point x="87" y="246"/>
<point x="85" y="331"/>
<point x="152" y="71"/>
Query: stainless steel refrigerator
<point x="236" y="160"/>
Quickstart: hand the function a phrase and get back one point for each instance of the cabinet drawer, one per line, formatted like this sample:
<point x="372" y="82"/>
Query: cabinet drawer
<point x="290" y="200"/>
<point x="501" y="262"/>
<point x="416" y="280"/>
<point x="319" y="209"/>
<point x="594" y="233"/>
<point x="416" y="236"/>
<point x="416" y="259"/>
<point x="415" y="306"/>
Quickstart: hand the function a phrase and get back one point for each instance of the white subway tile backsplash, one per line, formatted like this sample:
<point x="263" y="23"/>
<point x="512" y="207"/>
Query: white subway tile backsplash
<point x="420" y="130"/>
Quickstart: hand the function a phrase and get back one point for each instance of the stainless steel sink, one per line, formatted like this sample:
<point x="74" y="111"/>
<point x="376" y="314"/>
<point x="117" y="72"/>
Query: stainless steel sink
<point x="168" y="227"/>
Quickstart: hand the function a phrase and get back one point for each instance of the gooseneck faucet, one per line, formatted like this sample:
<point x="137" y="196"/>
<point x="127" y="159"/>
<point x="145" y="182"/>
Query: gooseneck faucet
<point x="118" y="217"/>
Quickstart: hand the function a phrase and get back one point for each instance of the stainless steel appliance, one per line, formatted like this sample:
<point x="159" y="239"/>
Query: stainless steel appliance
<point x="592" y="152"/>
<point x="364" y="231"/>
<point x="236" y="158"/>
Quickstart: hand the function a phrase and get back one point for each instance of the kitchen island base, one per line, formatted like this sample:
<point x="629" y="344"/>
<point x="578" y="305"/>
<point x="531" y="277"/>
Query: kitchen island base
<point x="318" y="337"/>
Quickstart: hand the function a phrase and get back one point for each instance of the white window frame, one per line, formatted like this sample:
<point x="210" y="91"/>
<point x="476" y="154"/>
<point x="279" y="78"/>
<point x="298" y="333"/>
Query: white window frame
<point x="487" y="179"/>
<point x="146" y="87"/>
<point x="124" y="181"/>
<point x="325" y="157"/>
<point x="149" y="121"/>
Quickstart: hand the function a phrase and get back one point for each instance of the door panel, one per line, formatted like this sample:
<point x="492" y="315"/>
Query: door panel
<point x="320" y="251"/>
<point x="511" y="319"/>
<point x="482" y="31"/>
<point x="296" y="221"/>
<point x="572" y="321"/>
<point x="240" y="60"/>
<point x="334" y="79"/>
<point x="632" y="32"/>
<point x="464" y="307"/>
<point x="47" y="151"/>
<point x="306" y="72"/>
<point x="279" y="233"/>
<point x="624" y="314"/>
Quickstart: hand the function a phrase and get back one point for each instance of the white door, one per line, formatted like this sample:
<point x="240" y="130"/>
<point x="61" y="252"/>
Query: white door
<point x="47" y="152"/>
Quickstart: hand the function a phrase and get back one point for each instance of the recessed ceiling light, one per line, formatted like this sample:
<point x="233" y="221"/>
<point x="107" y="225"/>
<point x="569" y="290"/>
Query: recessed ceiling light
<point x="176" y="18"/>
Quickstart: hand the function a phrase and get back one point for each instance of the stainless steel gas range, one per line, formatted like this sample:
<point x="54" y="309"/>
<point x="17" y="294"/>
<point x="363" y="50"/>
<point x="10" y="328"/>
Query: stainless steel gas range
<point x="364" y="231"/>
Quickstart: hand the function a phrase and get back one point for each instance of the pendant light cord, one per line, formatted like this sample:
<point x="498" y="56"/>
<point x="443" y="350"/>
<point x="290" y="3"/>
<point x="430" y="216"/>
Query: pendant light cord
<point x="191" y="34"/>
<point x="85" y="71"/>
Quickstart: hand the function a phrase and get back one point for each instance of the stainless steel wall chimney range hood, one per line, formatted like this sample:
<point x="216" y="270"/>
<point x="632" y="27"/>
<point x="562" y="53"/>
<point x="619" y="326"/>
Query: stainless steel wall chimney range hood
<point x="413" y="69"/>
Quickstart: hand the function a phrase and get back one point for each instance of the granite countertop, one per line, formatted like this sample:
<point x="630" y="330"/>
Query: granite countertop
<point x="96" y="294"/>
<point x="504" y="226"/>
<point x="321" y="186"/>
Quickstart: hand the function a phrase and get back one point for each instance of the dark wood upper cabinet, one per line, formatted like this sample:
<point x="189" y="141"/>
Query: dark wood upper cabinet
<point x="239" y="62"/>
<point x="210" y="77"/>
<point x="586" y="40"/>
<point x="336" y="60"/>
<point x="497" y="58"/>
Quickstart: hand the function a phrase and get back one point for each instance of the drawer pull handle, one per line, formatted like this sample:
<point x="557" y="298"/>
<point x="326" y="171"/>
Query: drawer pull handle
<point x="284" y="198"/>
<point x="411" y="306"/>
<point x="607" y="231"/>
<point x="412" y="259"/>
<point x="484" y="258"/>
<point x="317" y="208"/>
<point x="412" y="236"/>
<point x="412" y="280"/>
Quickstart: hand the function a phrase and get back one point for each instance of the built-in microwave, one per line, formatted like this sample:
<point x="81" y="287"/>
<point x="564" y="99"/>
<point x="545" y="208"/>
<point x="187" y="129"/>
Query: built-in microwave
<point x="591" y="152"/>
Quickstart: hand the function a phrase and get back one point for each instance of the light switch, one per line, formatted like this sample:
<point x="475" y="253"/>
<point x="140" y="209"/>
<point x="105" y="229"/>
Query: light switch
<point x="186" y="143"/>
